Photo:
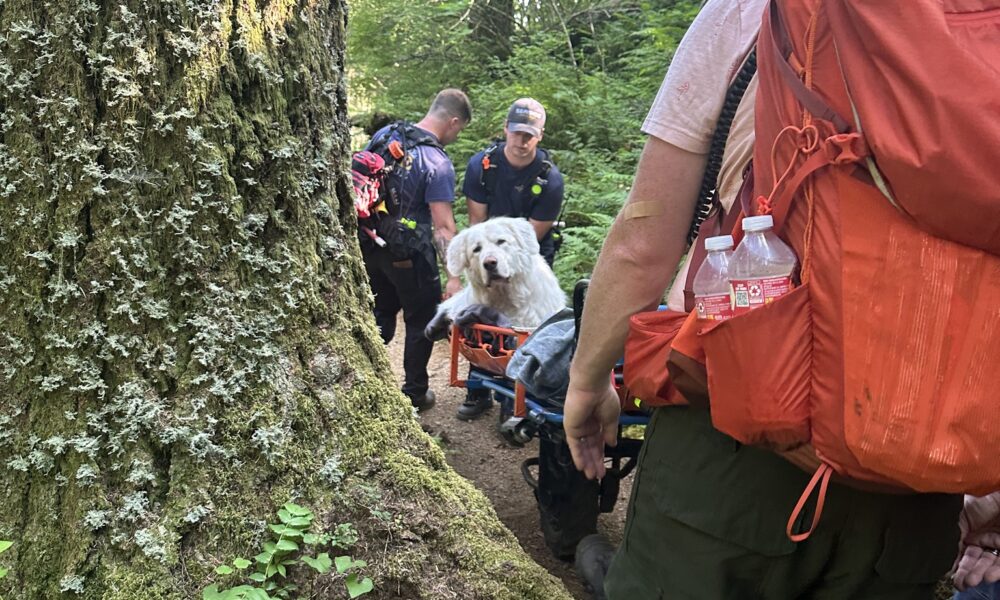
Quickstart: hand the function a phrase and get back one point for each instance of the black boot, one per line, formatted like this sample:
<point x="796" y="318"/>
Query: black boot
<point x="593" y="557"/>
<point x="425" y="401"/>
<point x="476" y="403"/>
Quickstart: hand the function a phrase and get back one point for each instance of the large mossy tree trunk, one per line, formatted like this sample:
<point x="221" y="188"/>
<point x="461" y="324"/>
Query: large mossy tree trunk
<point x="185" y="334"/>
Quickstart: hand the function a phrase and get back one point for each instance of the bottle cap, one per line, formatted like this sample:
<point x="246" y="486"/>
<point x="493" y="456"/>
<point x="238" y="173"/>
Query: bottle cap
<point x="719" y="242"/>
<point x="758" y="223"/>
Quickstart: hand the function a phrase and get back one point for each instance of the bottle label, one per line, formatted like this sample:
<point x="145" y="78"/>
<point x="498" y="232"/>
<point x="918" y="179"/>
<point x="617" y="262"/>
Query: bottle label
<point x="716" y="307"/>
<point x="748" y="294"/>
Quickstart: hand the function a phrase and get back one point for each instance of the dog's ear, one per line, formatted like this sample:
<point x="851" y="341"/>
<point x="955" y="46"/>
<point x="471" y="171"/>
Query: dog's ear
<point x="525" y="234"/>
<point x="458" y="259"/>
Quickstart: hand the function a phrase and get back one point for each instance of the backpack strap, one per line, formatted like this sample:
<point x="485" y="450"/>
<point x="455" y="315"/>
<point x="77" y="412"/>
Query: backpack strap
<point x="488" y="175"/>
<point x="821" y="478"/>
<point x="405" y="133"/>
<point x="781" y="48"/>
<point x="542" y="177"/>
<point x="418" y="137"/>
<point x="393" y="145"/>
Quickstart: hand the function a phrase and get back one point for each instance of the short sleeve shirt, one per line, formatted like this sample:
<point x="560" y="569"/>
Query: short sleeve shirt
<point x="430" y="177"/>
<point x="513" y="195"/>
<point x="688" y="104"/>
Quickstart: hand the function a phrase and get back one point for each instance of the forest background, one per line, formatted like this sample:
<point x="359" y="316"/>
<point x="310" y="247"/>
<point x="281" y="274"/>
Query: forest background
<point x="594" y="64"/>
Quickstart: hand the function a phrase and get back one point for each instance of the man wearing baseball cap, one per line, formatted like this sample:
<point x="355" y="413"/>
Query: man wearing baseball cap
<point x="514" y="178"/>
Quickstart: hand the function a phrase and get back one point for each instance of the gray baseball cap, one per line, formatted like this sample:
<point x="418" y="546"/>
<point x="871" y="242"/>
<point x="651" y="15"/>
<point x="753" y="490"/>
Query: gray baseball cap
<point x="527" y="115"/>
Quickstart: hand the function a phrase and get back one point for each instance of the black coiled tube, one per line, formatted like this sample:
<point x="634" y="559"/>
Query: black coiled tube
<point x="710" y="182"/>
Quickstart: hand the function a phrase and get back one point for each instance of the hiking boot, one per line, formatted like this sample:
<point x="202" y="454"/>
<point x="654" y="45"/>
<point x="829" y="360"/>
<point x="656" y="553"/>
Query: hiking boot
<point x="424" y="401"/>
<point x="474" y="406"/>
<point x="593" y="557"/>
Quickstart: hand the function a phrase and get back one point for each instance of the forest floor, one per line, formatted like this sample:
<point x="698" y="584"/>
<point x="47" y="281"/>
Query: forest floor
<point x="476" y="451"/>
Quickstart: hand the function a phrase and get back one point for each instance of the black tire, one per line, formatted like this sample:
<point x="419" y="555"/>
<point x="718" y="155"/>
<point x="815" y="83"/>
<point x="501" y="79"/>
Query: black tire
<point x="567" y="501"/>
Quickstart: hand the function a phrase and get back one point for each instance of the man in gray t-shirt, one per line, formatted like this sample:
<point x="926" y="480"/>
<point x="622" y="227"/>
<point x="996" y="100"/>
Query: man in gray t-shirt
<point x="708" y="515"/>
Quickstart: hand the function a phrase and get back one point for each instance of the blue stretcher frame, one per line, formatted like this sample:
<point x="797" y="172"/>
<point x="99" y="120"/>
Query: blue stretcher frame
<point x="480" y="379"/>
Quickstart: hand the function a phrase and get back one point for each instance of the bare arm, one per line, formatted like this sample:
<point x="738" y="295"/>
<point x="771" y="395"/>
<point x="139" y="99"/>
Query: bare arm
<point x="541" y="227"/>
<point x="444" y="230"/>
<point x="637" y="262"/>
<point x="477" y="211"/>
<point x="444" y="226"/>
<point x="639" y="257"/>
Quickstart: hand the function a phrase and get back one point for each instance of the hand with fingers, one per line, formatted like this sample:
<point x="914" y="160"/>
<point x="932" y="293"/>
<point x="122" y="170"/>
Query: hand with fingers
<point x="979" y="548"/>
<point x="590" y="419"/>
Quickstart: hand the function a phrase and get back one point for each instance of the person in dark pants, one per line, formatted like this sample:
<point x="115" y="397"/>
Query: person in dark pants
<point x="514" y="178"/>
<point x="415" y="289"/>
<point x="423" y="188"/>
<point x="707" y="515"/>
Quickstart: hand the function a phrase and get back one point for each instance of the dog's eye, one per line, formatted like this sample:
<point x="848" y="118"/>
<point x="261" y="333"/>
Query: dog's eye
<point x="477" y="249"/>
<point x="501" y="242"/>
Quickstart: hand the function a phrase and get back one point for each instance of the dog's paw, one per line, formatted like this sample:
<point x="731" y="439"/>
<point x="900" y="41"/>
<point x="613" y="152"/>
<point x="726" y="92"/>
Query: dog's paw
<point x="437" y="329"/>
<point x="478" y="313"/>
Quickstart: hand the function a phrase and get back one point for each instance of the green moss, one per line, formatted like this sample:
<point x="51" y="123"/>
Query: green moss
<point x="132" y="581"/>
<point x="187" y="338"/>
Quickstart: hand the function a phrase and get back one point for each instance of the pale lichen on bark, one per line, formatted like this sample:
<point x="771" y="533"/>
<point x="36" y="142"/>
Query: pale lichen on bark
<point x="185" y="341"/>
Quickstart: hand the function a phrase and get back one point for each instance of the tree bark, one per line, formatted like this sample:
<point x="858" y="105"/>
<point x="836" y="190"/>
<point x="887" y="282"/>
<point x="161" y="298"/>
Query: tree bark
<point x="186" y="340"/>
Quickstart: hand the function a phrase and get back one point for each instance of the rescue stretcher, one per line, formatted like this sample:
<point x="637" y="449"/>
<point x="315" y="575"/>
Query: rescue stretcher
<point x="568" y="502"/>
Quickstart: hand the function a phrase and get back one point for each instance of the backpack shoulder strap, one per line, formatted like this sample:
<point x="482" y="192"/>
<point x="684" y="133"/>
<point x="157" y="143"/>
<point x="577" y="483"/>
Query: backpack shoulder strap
<point x="406" y="135"/>
<point x="547" y="164"/>
<point x="541" y="179"/>
<point x="418" y="137"/>
<point x="488" y="174"/>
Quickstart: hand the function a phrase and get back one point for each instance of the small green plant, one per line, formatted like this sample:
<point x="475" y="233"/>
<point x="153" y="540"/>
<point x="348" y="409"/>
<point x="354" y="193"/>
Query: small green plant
<point x="4" y="546"/>
<point x="292" y="544"/>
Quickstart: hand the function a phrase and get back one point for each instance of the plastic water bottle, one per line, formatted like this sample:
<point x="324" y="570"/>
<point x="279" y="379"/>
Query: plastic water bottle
<point x="711" y="283"/>
<point x="761" y="268"/>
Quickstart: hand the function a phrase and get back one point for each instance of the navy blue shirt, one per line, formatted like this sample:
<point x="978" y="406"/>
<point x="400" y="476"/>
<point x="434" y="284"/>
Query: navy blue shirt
<point x="512" y="195"/>
<point x="429" y="178"/>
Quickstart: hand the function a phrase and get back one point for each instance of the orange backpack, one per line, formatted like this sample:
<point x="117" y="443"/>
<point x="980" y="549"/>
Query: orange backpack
<point x="878" y="155"/>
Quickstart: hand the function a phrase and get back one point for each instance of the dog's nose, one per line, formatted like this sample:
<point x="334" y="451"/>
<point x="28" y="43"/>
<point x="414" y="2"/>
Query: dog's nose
<point x="490" y="264"/>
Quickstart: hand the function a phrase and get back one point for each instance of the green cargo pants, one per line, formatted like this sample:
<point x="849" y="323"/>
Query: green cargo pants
<point x="707" y="518"/>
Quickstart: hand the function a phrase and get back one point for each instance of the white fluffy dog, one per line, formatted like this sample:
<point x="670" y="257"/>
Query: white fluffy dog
<point x="504" y="271"/>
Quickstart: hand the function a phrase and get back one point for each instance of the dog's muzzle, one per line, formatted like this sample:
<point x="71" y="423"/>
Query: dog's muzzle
<point x="492" y="268"/>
